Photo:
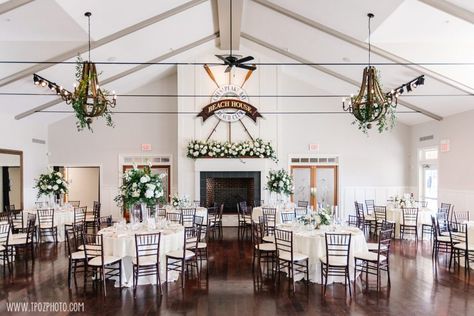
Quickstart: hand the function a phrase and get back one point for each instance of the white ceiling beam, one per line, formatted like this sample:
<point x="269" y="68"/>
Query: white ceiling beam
<point x="330" y="72"/>
<point x="451" y="9"/>
<point x="12" y="5"/>
<point x="105" y="40"/>
<point x="383" y="53"/>
<point x="125" y="73"/>
<point x="223" y="11"/>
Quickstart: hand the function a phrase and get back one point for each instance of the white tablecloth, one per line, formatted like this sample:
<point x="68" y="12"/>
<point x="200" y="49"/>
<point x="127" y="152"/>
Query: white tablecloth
<point x="258" y="211"/>
<point x="396" y="215"/>
<point x="200" y="211"/>
<point x="121" y="243"/>
<point x="313" y="244"/>
<point x="62" y="216"/>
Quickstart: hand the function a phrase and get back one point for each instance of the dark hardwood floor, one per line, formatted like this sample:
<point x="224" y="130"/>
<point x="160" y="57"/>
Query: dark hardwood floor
<point x="418" y="288"/>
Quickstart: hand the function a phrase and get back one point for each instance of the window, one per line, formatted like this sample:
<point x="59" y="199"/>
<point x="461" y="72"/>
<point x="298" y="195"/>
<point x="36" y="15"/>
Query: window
<point x="428" y="175"/>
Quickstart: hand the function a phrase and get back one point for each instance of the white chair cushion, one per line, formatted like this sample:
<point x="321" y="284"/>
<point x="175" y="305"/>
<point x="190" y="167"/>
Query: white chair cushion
<point x="97" y="261"/>
<point x="78" y="255"/>
<point x="202" y="245"/>
<point x="17" y="241"/>
<point x="266" y="247"/>
<point x="462" y="246"/>
<point x="368" y="256"/>
<point x="145" y="261"/>
<point x="369" y="218"/>
<point x="269" y="238"/>
<point x="2" y="247"/>
<point x="18" y="236"/>
<point x="179" y="254"/>
<point x="444" y="239"/>
<point x="373" y="246"/>
<point x="45" y="226"/>
<point x="296" y="256"/>
<point x="335" y="261"/>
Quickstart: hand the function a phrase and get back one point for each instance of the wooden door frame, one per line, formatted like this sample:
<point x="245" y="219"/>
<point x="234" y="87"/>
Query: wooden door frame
<point x="126" y="167"/>
<point x="313" y="180"/>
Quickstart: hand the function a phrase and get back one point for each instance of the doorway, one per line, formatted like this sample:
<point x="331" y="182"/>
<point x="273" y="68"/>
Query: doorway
<point x="316" y="184"/>
<point x="84" y="184"/>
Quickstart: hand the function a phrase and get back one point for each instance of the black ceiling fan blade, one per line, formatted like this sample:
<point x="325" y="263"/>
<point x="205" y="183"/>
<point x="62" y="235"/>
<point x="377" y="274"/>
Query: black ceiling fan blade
<point x="245" y="59"/>
<point x="248" y="67"/>
<point x="222" y="57"/>
<point x="228" y="68"/>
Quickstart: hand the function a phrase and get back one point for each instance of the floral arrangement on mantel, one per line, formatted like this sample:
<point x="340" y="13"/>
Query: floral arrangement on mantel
<point x="321" y="217"/>
<point x="279" y="181"/>
<point x="140" y="186"/>
<point x="179" y="201"/>
<point x="51" y="183"/>
<point x="246" y="149"/>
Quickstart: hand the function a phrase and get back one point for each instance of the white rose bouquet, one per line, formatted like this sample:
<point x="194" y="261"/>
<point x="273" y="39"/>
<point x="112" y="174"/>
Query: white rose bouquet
<point x="140" y="186"/>
<point x="280" y="181"/>
<point x="51" y="183"/>
<point x="321" y="217"/>
<point x="177" y="201"/>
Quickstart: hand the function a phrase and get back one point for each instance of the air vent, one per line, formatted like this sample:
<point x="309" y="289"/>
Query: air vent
<point x="425" y="138"/>
<point x="38" y="141"/>
<point x="141" y="160"/>
<point x="314" y="160"/>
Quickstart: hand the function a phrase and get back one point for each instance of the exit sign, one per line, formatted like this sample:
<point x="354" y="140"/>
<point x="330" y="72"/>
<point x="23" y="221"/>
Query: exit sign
<point x="146" y="147"/>
<point x="313" y="147"/>
<point x="444" y="146"/>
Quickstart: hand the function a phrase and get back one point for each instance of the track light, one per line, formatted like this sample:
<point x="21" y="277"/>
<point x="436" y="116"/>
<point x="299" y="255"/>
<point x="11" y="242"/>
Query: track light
<point x="408" y="87"/>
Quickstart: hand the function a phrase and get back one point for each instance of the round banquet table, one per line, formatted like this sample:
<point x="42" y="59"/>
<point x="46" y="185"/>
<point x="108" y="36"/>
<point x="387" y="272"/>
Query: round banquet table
<point x="62" y="216"/>
<point x="200" y="211"/>
<point x="395" y="214"/>
<point x="258" y="211"/>
<point x="313" y="244"/>
<point x="119" y="241"/>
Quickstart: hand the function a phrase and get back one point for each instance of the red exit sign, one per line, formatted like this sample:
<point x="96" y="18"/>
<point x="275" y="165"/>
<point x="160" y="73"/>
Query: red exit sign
<point x="146" y="147"/>
<point x="313" y="147"/>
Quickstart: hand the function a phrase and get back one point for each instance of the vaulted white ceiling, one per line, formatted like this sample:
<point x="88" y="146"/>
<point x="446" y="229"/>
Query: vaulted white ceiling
<point x="318" y="31"/>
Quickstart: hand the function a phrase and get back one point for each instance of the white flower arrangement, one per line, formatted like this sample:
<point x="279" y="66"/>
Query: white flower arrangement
<point x="280" y="181"/>
<point x="321" y="217"/>
<point x="246" y="149"/>
<point x="140" y="186"/>
<point x="177" y="201"/>
<point x="51" y="183"/>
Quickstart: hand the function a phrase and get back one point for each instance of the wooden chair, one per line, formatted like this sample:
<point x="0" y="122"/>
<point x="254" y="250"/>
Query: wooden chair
<point x="336" y="260"/>
<point x="441" y="244"/>
<point x="147" y="259"/>
<point x="75" y="204"/>
<point x="374" y="262"/>
<point x="180" y="260"/>
<point x="79" y="219"/>
<point x="370" y="207"/>
<point x="16" y="218"/>
<point x="422" y="203"/>
<point x="287" y="217"/>
<point x="448" y="208"/>
<point x="262" y="252"/>
<point x="460" y="246"/>
<point x="201" y="248"/>
<point x="187" y="216"/>
<point x="304" y="204"/>
<point x="92" y="219"/>
<point x="380" y="213"/>
<point x="374" y="246"/>
<point x="105" y="221"/>
<point x="46" y="225"/>
<point x="364" y="223"/>
<point x="4" y="238"/>
<point x="410" y="222"/>
<point x="98" y="265"/>
<point x="300" y="212"/>
<point x="269" y="218"/>
<point x="352" y="220"/>
<point x="76" y="257"/>
<point x="24" y="243"/>
<point x="258" y="203"/>
<point x="244" y="215"/>
<point x="161" y="213"/>
<point x="173" y="217"/>
<point x="461" y="216"/>
<point x="288" y="259"/>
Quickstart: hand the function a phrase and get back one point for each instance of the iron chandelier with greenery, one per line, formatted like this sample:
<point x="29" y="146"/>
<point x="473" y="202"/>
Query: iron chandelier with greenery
<point x="371" y="104"/>
<point x="88" y="100"/>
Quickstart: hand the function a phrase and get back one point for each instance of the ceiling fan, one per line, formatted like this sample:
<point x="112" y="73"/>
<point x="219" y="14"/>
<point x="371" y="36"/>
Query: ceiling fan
<point x="235" y="60"/>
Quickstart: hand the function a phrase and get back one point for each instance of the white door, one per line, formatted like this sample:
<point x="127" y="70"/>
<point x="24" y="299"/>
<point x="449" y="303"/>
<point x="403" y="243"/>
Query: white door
<point x="430" y="185"/>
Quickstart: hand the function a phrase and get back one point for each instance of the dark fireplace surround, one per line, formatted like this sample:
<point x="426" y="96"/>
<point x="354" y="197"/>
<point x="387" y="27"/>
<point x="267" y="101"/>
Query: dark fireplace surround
<point x="229" y="187"/>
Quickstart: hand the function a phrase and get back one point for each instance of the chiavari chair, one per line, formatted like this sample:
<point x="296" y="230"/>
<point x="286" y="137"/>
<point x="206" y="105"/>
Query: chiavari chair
<point x="173" y="217"/>
<point x="77" y="258"/>
<point x="461" y="216"/>
<point x="409" y="223"/>
<point x="75" y="203"/>
<point x="370" y="207"/>
<point x="300" y="212"/>
<point x="187" y="216"/>
<point x="262" y="252"/>
<point x="147" y="258"/>
<point x="287" y="217"/>
<point x="336" y="260"/>
<point x="304" y="204"/>
<point x="441" y="244"/>
<point x="46" y="225"/>
<point x="4" y="238"/>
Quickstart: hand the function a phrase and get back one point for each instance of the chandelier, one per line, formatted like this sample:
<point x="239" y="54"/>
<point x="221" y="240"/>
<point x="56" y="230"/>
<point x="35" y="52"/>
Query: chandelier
<point x="88" y="99"/>
<point x="371" y="104"/>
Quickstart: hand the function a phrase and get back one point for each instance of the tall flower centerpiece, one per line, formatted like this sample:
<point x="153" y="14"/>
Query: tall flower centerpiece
<point x="316" y="219"/>
<point x="280" y="183"/>
<point x="51" y="184"/>
<point x="140" y="190"/>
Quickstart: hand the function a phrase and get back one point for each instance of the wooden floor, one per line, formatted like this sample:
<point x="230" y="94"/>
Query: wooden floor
<point x="418" y="288"/>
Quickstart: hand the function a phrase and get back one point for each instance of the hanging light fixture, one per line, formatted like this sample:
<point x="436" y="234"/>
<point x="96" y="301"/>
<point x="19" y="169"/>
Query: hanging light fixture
<point x="371" y="104"/>
<point x="88" y="99"/>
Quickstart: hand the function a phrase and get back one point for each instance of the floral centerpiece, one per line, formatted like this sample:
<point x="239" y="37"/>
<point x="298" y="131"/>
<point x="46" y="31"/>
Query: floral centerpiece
<point x="140" y="187"/>
<point x="246" y="149"/>
<point x="177" y="201"/>
<point x="51" y="183"/>
<point x="280" y="182"/>
<point x="316" y="219"/>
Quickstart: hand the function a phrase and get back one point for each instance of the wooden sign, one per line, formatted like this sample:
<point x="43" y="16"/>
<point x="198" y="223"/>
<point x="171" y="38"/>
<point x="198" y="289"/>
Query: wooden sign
<point x="230" y="110"/>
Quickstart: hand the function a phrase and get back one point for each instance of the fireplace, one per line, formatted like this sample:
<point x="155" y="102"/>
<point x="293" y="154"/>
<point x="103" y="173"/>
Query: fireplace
<point x="230" y="188"/>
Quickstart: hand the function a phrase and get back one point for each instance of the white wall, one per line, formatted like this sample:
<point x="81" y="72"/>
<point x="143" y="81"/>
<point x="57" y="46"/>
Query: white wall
<point x="105" y="144"/>
<point x="18" y="135"/>
<point x="456" y="171"/>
